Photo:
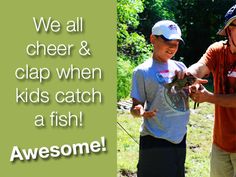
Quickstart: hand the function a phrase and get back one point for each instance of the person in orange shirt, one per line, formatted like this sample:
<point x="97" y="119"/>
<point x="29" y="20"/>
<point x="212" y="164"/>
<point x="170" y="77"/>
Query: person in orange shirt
<point x="220" y="60"/>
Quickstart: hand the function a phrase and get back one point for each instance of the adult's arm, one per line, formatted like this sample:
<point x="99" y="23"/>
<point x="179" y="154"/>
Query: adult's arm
<point x="224" y="100"/>
<point x="198" y="69"/>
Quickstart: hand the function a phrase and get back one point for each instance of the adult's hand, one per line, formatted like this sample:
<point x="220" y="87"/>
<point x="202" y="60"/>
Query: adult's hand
<point x="199" y="93"/>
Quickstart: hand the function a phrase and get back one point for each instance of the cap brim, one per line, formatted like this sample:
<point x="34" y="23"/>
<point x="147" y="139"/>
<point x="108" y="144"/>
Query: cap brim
<point x="222" y="31"/>
<point x="174" y="37"/>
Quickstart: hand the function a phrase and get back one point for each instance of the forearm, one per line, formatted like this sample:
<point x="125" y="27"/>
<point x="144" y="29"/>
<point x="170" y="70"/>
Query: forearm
<point x="135" y="112"/>
<point x="137" y="108"/>
<point x="228" y="100"/>
<point x="198" y="70"/>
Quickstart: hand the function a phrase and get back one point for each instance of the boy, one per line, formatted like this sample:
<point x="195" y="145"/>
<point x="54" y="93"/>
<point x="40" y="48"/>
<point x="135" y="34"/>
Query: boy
<point x="165" y="113"/>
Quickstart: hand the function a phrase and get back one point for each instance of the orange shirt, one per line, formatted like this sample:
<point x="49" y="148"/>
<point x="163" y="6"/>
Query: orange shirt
<point x="222" y="64"/>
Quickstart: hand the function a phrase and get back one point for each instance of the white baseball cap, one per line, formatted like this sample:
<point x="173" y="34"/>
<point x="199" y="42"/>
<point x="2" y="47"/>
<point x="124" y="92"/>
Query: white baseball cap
<point x="168" y="29"/>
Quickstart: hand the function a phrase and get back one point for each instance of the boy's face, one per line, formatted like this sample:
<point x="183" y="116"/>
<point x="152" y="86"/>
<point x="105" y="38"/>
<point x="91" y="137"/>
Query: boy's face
<point x="164" y="49"/>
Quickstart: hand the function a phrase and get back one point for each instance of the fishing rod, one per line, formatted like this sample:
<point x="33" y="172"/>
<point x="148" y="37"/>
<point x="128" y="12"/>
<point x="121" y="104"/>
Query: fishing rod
<point x="128" y="133"/>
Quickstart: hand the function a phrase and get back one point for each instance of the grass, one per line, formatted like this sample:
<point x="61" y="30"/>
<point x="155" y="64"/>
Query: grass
<point x="127" y="154"/>
<point x="199" y="138"/>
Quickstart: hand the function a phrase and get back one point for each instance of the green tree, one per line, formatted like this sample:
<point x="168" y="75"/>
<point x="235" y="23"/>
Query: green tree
<point x="154" y="11"/>
<point x="124" y="72"/>
<point x="132" y="47"/>
<point x="130" y="43"/>
<point x="199" y="20"/>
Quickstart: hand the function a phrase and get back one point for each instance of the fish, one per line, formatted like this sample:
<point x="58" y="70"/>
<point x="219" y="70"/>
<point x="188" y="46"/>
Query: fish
<point x="178" y="84"/>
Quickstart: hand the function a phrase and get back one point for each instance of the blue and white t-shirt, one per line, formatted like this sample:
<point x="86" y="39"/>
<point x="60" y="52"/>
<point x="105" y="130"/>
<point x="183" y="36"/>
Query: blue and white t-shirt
<point x="149" y="86"/>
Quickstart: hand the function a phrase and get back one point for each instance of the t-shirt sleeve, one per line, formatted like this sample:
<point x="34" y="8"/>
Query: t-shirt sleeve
<point x="182" y="66"/>
<point x="210" y="56"/>
<point x="138" y="86"/>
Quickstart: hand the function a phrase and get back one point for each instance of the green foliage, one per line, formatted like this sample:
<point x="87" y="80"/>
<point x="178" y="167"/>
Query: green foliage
<point x="132" y="47"/>
<point x="154" y="11"/>
<point x="124" y="71"/>
<point x="127" y="12"/>
<point x="136" y="48"/>
<point x="127" y="149"/>
<point x="130" y="44"/>
<point x="199" y="20"/>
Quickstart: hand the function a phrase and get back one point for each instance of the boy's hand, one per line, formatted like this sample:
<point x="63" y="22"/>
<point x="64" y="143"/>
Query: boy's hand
<point x="180" y="74"/>
<point x="141" y="112"/>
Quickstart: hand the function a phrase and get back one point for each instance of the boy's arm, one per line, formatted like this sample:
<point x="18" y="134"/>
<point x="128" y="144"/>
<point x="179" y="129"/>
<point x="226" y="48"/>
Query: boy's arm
<point x="134" y="111"/>
<point x="137" y="110"/>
